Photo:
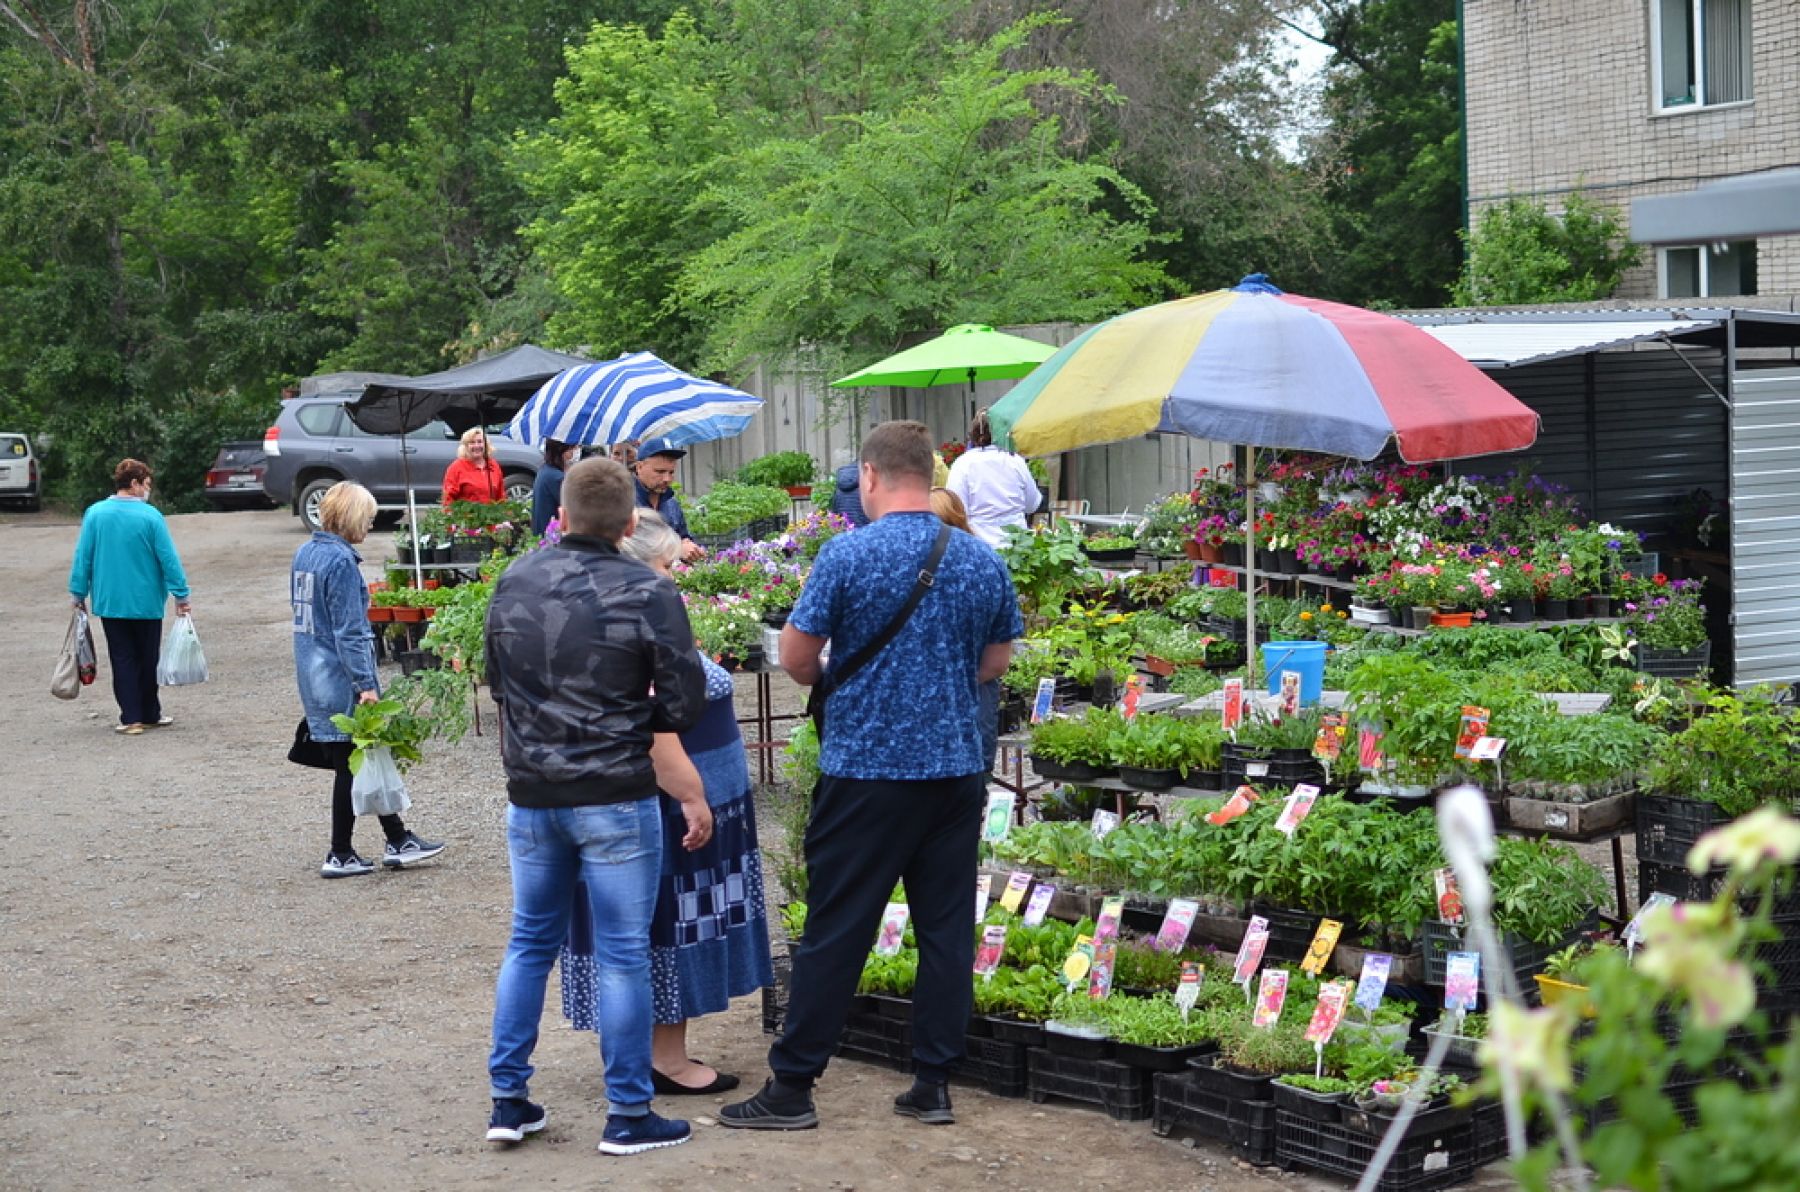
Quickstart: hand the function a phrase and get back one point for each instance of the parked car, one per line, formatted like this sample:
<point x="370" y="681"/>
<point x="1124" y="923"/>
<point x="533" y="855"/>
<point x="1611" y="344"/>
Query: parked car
<point x="314" y="444"/>
<point x="235" y="480"/>
<point x="19" y="481"/>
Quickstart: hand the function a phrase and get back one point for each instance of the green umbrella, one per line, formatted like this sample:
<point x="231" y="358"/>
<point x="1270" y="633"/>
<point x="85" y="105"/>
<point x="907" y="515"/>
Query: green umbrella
<point x="967" y="352"/>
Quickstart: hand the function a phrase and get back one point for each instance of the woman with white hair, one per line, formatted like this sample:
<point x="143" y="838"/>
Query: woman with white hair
<point x="474" y="475"/>
<point x="709" y="937"/>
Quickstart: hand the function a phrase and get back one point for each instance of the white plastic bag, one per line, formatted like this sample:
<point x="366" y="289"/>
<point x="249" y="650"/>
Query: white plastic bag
<point x="183" y="662"/>
<point x="377" y="789"/>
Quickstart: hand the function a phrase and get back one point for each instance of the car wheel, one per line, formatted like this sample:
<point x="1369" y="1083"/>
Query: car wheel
<point x="518" y="486"/>
<point x="310" y="497"/>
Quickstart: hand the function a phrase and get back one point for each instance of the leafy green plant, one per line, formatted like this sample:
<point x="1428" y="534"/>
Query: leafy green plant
<point x="383" y="722"/>
<point x="1111" y="542"/>
<point x="1738" y="753"/>
<point x="893" y="975"/>
<point x="1268" y="1051"/>
<point x="1024" y="994"/>
<point x="1543" y="890"/>
<point x="1323" y="1085"/>
<point x="1046" y="565"/>
<point x="779" y="469"/>
<point x="458" y="630"/>
<point x="729" y="506"/>
<point x="1575" y="758"/>
<point x="792" y="801"/>
<point x="437" y="700"/>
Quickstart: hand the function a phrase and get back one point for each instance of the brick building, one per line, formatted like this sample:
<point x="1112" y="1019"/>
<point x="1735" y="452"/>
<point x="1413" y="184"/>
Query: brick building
<point x="1624" y="98"/>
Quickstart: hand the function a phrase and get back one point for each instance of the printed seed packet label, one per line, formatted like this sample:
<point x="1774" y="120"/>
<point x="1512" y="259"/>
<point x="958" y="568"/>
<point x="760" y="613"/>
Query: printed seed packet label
<point x="1042" y="702"/>
<point x="1101" y="974"/>
<point x="1250" y="952"/>
<point x="1373" y="982"/>
<point x="1134" y="692"/>
<point x="998" y="818"/>
<point x="1187" y="993"/>
<point x="984" y="889"/>
<point x="1462" y="980"/>
<point x="1112" y="910"/>
<point x="1104" y="822"/>
<point x="1234" y="703"/>
<point x="1178" y="920"/>
<point x="1487" y="749"/>
<point x="1290" y="693"/>
<point x="1235" y="806"/>
<point x="1318" y="953"/>
<point x="1328" y="1012"/>
<point x="1473" y="728"/>
<point x="993" y="947"/>
<point x="1368" y="748"/>
<point x="1013" y="896"/>
<point x="1256" y="769"/>
<point x="1296" y="807"/>
<point x="893" y="929"/>
<point x="1079" y="961"/>
<point x="1271" y="995"/>
<point x="1330" y="741"/>
<point x="1039" y="906"/>
<point x="1449" y="898"/>
<point x="1634" y="930"/>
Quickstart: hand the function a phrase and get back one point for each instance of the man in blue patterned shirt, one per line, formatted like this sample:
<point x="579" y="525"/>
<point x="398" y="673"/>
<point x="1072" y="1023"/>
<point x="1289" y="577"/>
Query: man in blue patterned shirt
<point x="901" y="790"/>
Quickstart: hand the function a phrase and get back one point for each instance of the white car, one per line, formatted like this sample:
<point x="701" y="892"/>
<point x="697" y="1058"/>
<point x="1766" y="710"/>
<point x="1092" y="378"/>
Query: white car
<point x="18" y="472"/>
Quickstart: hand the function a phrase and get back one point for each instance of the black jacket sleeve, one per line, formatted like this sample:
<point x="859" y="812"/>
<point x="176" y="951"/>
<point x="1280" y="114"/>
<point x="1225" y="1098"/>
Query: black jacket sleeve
<point x="680" y="681"/>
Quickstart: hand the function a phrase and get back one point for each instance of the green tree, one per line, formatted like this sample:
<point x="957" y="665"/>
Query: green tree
<point x="1522" y="253"/>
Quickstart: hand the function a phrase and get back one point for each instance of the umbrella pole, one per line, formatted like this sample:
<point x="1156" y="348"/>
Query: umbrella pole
<point x="412" y="514"/>
<point x="1250" y="564"/>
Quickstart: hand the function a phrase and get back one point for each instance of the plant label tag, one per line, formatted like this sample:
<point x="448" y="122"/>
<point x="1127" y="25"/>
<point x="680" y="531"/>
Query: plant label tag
<point x="1235" y="806"/>
<point x="1250" y="952"/>
<point x="1134" y="692"/>
<point x="1271" y="995"/>
<point x="1295" y="808"/>
<point x="1318" y="953"/>
<point x="1187" y="994"/>
<point x="1436" y="1161"/>
<point x="1112" y="910"/>
<point x="1462" y="980"/>
<point x="1487" y="749"/>
<point x="1368" y="748"/>
<point x="1290" y="693"/>
<point x="1101" y="974"/>
<point x="1333" y="995"/>
<point x="1043" y="700"/>
<point x="1178" y="920"/>
<point x="1039" y="906"/>
<point x="1449" y="898"/>
<point x="1079" y="961"/>
<point x="1256" y="769"/>
<point x="1330" y="741"/>
<point x="1634" y="930"/>
<point x="998" y="818"/>
<point x="1013" y="896"/>
<point x="1234" y="704"/>
<point x="993" y="947"/>
<point x="1373" y="982"/>
<point x="984" y="889"/>
<point x="1104" y="821"/>
<point x="1472" y="729"/>
<point x="893" y="929"/>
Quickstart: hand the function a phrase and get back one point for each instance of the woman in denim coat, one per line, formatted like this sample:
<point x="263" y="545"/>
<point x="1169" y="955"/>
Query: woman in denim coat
<point x="334" y="662"/>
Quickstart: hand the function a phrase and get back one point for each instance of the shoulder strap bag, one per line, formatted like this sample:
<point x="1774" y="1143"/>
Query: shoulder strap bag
<point x="835" y="678"/>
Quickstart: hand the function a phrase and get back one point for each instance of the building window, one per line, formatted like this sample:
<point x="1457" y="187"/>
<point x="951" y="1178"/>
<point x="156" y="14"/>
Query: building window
<point x="1708" y="271"/>
<point x="1702" y="50"/>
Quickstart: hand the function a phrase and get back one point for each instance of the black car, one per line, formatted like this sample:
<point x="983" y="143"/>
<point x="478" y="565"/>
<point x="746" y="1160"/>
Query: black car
<point x="235" y="480"/>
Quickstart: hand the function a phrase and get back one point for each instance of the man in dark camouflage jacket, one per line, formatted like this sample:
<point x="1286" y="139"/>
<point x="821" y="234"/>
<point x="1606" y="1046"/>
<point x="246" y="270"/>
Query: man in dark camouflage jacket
<point x="590" y="655"/>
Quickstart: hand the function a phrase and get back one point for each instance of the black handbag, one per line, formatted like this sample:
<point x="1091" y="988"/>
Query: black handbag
<point x="831" y="681"/>
<point x="319" y="755"/>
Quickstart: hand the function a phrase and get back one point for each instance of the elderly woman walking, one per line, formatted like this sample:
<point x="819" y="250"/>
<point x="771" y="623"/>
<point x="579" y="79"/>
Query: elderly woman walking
<point x="334" y="663"/>
<point x="709" y="937"/>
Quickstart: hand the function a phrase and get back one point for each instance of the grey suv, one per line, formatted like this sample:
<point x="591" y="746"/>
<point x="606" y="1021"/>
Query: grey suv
<point x="314" y="444"/>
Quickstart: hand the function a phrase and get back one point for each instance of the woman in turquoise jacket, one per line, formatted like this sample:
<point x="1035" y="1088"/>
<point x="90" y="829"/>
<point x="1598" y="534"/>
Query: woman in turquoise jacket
<point x="126" y="562"/>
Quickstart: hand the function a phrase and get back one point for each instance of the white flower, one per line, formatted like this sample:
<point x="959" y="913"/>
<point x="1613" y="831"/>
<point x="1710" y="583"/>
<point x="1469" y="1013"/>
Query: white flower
<point x="1745" y="844"/>
<point x="1690" y="948"/>
<point x="1532" y="1043"/>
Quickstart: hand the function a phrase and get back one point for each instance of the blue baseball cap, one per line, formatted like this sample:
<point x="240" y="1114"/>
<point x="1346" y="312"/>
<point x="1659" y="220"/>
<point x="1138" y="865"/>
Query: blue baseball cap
<point x="659" y="446"/>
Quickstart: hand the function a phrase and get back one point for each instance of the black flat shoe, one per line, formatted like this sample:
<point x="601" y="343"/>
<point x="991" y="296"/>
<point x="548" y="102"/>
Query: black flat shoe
<point x="667" y="1087"/>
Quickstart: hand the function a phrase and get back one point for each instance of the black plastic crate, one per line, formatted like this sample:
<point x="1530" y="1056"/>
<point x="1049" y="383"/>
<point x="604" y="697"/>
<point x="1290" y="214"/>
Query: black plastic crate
<point x="1119" y="1089"/>
<point x="1437" y="940"/>
<point x="775" y="994"/>
<point x="995" y="1066"/>
<point x="1427" y="1159"/>
<point x="1675" y="878"/>
<point x="877" y="1039"/>
<point x="1668" y="826"/>
<point x="1290" y="932"/>
<point x="1181" y="1104"/>
<point x="1490" y="1132"/>
<point x="1237" y="763"/>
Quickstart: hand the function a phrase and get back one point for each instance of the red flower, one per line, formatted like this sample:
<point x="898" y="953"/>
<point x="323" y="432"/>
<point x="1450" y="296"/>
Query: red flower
<point x="1660" y="580"/>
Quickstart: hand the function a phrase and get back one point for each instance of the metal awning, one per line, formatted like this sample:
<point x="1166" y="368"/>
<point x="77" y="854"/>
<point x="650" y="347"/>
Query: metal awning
<point x="1505" y="343"/>
<point x="1740" y="208"/>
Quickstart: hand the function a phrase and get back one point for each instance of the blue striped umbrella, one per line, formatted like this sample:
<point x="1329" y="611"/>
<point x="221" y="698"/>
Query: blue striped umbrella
<point x="635" y="397"/>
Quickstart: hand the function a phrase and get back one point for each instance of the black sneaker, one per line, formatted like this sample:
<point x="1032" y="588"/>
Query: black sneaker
<point x="930" y="1103"/>
<point x="410" y="850"/>
<point x="513" y="1118"/>
<point x="634" y="1135"/>
<point x="344" y="865"/>
<point x="769" y="1111"/>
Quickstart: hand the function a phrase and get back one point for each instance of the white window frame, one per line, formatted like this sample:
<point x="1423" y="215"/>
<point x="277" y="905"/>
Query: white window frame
<point x="1704" y="271"/>
<point x="1697" y="34"/>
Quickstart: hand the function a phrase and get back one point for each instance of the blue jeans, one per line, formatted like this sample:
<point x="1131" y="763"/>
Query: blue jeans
<point x="616" y="850"/>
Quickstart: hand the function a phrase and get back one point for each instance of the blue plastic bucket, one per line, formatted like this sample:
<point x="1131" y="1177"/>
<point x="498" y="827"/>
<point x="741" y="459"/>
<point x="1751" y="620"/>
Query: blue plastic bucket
<point x="1306" y="657"/>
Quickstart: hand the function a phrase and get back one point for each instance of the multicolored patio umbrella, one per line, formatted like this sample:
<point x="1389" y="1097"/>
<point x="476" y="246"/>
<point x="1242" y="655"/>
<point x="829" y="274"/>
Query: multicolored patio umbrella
<point x="637" y="396"/>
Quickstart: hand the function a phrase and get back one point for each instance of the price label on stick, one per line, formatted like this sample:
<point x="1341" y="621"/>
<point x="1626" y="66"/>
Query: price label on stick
<point x="1271" y="995"/>
<point x="1178" y="920"/>
<point x="1013" y="896"/>
<point x="1296" y="807"/>
<point x="1112" y="910"/>
<point x="1235" y="806"/>
<point x="1462" y="980"/>
<point x="1079" y="962"/>
<point x="1472" y="728"/>
<point x="1187" y="994"/>
<point x="998" y="817"/>
<point x="1104" y="822"/>
<point x="984" y="889"/>
<point x="1290" y="693"/>
<point x="1250" y="952"/>
<point x="1234" y="704"/>
<point x="1333" y="995"/>
<point x="993" y="947"/>
<point x="1330" y="741"/>
<point x="1134" y="691"/>
<point x="1101" y="975"/>
<point x="1039" y="906"/>
<point x="1323" y="941"/>
<point x="1634" y="930"/>
<point x="1043" y="701"/>
<point x="1487" y="749"/>
<point x="1373" y="982"/>
<point x="893" y="929"/>
<point x="1449" y="898"/>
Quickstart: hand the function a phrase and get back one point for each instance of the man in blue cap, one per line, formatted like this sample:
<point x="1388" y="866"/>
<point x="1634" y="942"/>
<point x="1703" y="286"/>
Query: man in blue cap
<point x="655" y="471"/>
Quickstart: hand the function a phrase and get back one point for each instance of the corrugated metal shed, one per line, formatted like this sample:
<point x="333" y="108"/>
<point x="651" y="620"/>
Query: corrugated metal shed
<point x="1514" y="342"/>
<point x="1765" y="525"/>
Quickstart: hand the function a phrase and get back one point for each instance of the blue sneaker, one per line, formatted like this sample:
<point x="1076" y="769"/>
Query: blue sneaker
<point x="513" y="1118"/>
<point x="632" y="1135"/>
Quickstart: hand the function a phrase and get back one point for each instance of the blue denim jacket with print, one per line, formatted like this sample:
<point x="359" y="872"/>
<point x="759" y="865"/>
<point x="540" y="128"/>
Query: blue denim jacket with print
<point x="334" y="648"/>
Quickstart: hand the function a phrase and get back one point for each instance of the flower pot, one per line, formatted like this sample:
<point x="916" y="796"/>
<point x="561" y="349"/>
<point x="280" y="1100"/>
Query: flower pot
<point x="1521" y="612"/>
<point x="380" y="612"/>
<point x="407" y="614"/>
<point x="1347" y="572"/>
<point x="1205" y="780"/>
<point x="1600" y="605"/>
<point x="1421" y="617"/>
<point x="1233" y="553"/>
<point x="1452" y="620"/>
<point x="1318" y="1107"/>
<point x="1553" y="608"/>
<point x="1014" y="1030"/>
<point x="775" y="618"/>
<point x="1365" y="615"/>
<point x="800" y="492"/>
<point x="1267" y="561"/>
<point x="1076" y="1042"/>
<point x="442" y="553"/>
<point x="1161" y="1059"/>
<point x="1578" y="608"/>
<point x="1147" y="780"/>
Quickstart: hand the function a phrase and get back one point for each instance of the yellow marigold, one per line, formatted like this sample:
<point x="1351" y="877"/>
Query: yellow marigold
<point x="1306" y="616"/>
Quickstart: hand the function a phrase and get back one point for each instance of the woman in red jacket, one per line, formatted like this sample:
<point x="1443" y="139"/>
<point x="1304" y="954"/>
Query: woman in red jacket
<point x="473" y="475"/>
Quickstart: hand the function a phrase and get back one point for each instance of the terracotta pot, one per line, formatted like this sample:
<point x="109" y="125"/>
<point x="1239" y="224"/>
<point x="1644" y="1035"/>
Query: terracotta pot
<point x="408" y="614"/>
<point x="1452" y="620"/>
<point x="379" y="613"/>
<point x="800" y="492"/>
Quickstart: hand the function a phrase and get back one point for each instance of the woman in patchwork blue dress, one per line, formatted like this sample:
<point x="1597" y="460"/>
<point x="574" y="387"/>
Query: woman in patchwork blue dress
<point x="709" y="940"/>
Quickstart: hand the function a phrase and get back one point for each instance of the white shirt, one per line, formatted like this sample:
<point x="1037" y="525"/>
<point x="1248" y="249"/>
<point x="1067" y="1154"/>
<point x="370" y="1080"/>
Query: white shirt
<point x="997" y="490"/>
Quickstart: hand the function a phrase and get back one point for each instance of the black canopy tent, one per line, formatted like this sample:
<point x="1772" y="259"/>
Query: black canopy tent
<point x="480" y="394"/>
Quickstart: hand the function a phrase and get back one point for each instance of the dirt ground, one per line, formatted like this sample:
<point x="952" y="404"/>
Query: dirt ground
<point x="185" y="1004"/>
